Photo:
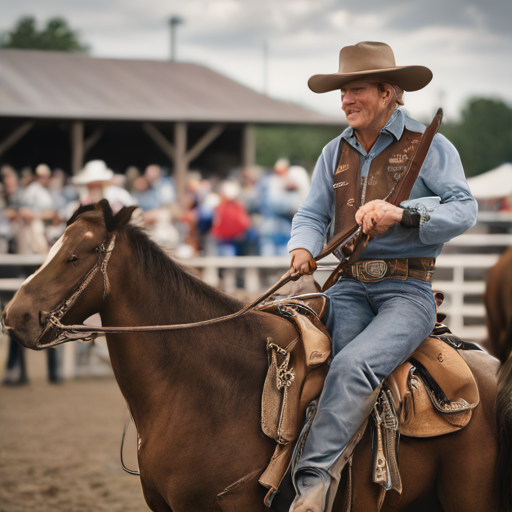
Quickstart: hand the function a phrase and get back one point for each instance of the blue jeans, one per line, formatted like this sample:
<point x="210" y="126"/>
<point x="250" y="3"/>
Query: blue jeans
<point x="374" y="328"/>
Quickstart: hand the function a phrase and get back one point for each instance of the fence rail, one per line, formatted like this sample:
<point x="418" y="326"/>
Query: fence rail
<point x="460" y="276"/>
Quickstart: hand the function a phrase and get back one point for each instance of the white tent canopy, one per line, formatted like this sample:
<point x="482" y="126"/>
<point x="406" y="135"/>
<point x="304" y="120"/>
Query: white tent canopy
<point x="492" y="184"/>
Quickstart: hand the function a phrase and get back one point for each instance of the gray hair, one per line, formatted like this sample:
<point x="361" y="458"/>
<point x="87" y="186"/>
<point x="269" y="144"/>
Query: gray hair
<point x="397" y="92"/>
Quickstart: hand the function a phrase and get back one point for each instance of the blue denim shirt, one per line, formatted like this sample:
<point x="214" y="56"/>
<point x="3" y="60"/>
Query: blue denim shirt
<point x="441" y="195"/>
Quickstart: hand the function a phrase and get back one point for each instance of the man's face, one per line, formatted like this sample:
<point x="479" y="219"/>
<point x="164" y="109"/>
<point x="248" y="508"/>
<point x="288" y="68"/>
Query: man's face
<point x="362" y="103"/>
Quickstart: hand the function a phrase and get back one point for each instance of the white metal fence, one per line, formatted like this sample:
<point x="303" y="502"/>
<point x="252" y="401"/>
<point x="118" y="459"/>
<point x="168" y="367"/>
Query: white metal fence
<point x="460" y="276"/>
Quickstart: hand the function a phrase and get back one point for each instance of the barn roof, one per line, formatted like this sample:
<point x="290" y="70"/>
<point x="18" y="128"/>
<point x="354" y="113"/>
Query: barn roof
<point x="39" y="84"/>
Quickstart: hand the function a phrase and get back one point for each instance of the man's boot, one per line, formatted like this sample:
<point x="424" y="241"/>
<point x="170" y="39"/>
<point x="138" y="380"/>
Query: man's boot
<point x="312" y="486"/>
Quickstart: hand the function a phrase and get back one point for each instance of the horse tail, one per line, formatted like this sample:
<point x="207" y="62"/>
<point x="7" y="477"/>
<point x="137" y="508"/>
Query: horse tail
<point x="504" y="425"/>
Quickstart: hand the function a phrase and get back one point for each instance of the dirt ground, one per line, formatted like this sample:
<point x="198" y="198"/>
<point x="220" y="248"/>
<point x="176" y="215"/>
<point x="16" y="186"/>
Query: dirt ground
<point x="59" y="448"/>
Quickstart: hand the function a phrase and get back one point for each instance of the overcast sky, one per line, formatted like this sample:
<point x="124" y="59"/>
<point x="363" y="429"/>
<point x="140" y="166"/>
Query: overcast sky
<point x="466" y="43"/>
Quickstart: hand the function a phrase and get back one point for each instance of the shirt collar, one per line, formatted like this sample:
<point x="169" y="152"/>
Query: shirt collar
<point x="395" y="126"/>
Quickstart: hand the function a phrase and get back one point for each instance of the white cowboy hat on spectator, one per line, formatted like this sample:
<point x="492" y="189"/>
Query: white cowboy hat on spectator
<point x="43" y="170"/>
<point x="94" y="171"/>
<point x="371" y="61"/>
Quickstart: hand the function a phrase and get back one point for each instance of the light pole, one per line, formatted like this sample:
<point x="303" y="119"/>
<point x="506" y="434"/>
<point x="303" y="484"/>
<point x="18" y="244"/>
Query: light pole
<point x="265" y="68"/>
<point x="173" y="21"/>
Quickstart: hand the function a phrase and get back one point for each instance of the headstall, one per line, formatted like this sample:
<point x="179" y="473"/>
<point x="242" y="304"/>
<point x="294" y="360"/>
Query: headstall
<point x="84" y="333"/>
<point x="52" y="320"/>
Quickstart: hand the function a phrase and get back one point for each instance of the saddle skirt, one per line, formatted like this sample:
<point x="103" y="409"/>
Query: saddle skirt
<point x="432" y="393"/>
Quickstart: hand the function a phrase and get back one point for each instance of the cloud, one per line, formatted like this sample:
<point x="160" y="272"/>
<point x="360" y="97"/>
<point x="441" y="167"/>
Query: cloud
<point x="467" y="43"/>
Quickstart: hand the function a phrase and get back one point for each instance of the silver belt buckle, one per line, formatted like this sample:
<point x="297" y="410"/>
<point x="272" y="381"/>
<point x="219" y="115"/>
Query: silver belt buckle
<point x="374" y="269"/>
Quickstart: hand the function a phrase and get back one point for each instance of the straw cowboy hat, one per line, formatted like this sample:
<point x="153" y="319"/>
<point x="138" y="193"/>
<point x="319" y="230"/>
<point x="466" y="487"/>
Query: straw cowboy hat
<point x="94" y="171"/>
<point x="371" y="61"/>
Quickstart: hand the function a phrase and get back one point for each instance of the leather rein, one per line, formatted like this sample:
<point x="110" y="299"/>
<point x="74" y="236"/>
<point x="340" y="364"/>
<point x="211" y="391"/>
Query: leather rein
<point x="85" y="333"/>
<point x="347" y="246"/>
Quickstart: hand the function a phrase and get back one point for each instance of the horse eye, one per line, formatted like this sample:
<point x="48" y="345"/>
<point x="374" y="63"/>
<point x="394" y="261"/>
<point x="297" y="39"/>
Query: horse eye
<point x="73" y="257"/>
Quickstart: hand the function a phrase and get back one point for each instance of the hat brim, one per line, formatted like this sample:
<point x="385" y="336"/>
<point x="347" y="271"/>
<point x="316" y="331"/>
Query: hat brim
<point x="408" y="78"/>
<point x="99" y="178"/>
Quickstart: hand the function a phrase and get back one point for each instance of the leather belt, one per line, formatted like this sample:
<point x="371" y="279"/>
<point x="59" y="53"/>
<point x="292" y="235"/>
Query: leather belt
<point x="369" y="271"/>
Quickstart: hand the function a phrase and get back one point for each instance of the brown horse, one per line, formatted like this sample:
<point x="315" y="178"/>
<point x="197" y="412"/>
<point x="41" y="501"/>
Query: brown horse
<point x="195" y="394"/>
<point x="498" y="306"/>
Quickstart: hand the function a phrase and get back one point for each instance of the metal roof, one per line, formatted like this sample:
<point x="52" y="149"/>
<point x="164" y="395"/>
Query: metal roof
<point x="39" y="84"/>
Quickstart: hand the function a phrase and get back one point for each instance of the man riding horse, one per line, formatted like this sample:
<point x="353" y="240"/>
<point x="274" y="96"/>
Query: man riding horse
<point x="382" y="307"/>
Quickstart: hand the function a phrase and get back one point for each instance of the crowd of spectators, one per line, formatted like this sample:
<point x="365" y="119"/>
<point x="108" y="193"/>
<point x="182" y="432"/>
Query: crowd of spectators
<point x="248" y="213"/>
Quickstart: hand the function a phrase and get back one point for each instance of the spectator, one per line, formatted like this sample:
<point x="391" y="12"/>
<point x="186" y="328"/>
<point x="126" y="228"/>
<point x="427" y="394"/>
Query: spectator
<point x="230" y="222"/>
<point x="162" y="185"/>
<point x="282" y="193"/>
<point x="95" y="183"/>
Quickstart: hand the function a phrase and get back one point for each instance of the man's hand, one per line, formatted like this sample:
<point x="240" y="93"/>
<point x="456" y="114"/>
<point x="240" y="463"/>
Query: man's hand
<point x="302" y="261"/>
<point x="377" y="216"/>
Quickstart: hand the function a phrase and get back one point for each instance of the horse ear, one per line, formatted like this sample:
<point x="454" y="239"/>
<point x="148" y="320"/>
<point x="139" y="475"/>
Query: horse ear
<point x="104" y="206"/>
<point x="124" y="215"/>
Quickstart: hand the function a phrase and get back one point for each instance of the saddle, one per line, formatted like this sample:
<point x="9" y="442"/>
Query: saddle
<point x="432" y="393"/>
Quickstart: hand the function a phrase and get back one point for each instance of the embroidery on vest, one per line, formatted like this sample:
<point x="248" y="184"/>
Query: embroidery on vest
<point x="386" y="169"/>
<point x="398" y="159"/>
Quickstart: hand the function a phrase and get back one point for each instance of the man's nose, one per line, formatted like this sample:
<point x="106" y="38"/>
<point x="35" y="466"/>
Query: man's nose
<point x="347" y="99"/>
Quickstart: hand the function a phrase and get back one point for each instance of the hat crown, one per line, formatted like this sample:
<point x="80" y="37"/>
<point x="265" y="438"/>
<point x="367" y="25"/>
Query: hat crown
<point x="93" y="171"/>
<point x="366" y="56"/>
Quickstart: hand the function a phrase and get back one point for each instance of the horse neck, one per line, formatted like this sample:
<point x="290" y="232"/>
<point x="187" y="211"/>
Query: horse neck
<point x="154" y="368"/>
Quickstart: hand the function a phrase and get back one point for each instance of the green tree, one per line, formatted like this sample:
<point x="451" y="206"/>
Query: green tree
<point x="483" y="136"/>
<point x="302" y="145"/>
<point x="56" y="35"/>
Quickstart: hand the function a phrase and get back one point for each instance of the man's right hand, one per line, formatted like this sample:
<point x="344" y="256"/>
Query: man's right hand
<point x="302" y="261"/>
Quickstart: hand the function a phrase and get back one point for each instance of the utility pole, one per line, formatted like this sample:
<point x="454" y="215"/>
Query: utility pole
<point x="173" y="21"/>
<point x="265" y="68"/>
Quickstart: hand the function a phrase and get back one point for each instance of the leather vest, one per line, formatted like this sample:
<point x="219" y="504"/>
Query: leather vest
<point x="385" y="172"/>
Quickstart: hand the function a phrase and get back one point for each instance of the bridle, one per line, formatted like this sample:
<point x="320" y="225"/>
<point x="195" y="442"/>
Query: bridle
<point x="52" y="320"/>
<point x="84" y="333"/>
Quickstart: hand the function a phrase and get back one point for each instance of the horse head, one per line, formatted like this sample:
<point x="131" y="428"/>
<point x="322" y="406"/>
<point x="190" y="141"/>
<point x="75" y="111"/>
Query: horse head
<point x="72" y="283"/>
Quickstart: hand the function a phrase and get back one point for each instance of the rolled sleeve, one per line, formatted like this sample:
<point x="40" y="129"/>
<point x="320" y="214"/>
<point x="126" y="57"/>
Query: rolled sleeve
<point x="455" y="210"/>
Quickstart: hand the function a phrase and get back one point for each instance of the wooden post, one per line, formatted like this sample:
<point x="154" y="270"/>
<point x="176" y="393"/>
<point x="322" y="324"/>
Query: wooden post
<point x="180" y="158"/>
<point x="159" y="139"/>
<point x="205" y="141"/>
<point x="248" y="146"/>
<point x="77" y="147"/>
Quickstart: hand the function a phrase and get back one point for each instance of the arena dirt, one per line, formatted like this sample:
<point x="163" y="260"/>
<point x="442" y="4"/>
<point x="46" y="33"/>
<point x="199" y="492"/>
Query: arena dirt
<point x="59" y="449"/>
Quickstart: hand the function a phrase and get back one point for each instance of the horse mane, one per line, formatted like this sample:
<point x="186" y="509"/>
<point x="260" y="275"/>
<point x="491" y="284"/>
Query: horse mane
<point x="162" y="269"/>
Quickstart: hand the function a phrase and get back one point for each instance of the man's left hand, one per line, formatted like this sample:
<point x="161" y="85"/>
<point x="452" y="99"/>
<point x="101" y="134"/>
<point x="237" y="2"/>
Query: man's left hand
<point x="377" y="216"/>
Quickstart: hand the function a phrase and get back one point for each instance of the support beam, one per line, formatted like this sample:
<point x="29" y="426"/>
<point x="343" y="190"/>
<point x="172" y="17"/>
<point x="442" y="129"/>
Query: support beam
<point x="248" y="146"/>
<point x="77" y="147"/>
<point x="205" y="141"/>
<point x="180" y="158"/>
<point x="15" y="136"/>
<point x="93" y="139"/>
<point x="159" y="139"/>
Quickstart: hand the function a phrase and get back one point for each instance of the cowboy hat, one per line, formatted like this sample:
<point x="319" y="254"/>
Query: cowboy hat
<point x="371" y="61"/>
<point x="94" y="171"/>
